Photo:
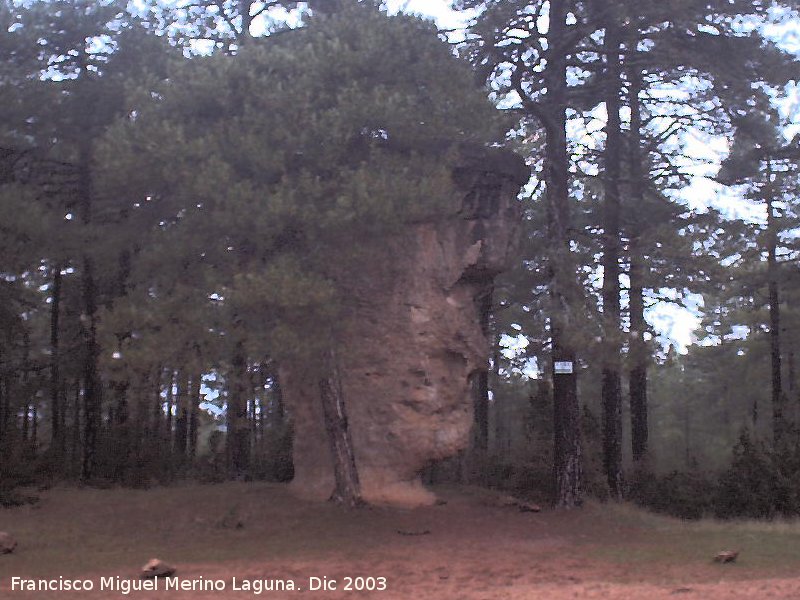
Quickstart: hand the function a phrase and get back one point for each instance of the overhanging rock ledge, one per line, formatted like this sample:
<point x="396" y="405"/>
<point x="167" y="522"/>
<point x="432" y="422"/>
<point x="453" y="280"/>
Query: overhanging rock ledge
<point x="412" y="340"/>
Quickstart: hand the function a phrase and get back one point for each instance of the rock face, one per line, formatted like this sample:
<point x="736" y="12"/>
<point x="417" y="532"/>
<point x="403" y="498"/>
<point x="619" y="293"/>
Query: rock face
<point x="412" y="341"/>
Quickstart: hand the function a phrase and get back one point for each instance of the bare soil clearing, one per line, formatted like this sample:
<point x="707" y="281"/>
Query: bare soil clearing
<point x="475" y="548"/>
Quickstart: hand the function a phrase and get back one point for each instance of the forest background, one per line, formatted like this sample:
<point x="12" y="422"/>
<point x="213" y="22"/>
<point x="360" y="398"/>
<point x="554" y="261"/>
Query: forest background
<point x="149" y="293"/>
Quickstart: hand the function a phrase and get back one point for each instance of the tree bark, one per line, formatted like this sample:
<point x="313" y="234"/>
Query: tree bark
<point x="76" y="451"/>
<point x="637" y="377"/>
<point x="56" y="419"/>
<point x="347" y="489"/>
<point x="238" y="436"/>
<point x="4" y="410"/>
<point x="611" y="391"/>
<point x="567" y="439"/>
<point x="92" y="404"/>
<point x="34" y="424"/>
<point x="791" y="374"/>
<point x="481" y="381"/>
<point x="182" y="417"/>
<point x="24" y="387"/>
<point x="168" y="417"/>
<point x="278" y="407"/>
<point x="158" y="407"/>
<point x="194" y="409"/>
<point x="778" y="423"/>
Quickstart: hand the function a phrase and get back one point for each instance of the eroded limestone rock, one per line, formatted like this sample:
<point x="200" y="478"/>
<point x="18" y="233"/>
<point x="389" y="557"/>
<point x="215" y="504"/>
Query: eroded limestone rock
<point x="412" y="340"/>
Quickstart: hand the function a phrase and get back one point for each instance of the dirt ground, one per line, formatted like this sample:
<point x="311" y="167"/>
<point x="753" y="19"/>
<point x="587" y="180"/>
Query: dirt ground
<point x="469" y="548"/>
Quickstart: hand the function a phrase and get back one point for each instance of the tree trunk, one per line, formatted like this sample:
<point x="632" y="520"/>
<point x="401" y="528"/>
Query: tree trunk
<point x="611" y="391"/>
<point x="141" y="425"/>
<point x="168" y="416"/>
<point x="23" y="387"/>
<point x="254" y="411"/>
<point x="194" y="408"/>
<point x="91" y="390"/>
<point x="791" y="378"/>
<point x="278" y="408"/>
<point x="247" y="21"/>
<point x="637" y="377"/>
<point x="56" y="419"/>
<point x="687" y="430"/>
<point x="348" y="487"/>
<point x="157" y="407"/>
<point x="182" y="417"/>
<point x="778" y="423"/>
<point x="34" y="425"/>
<point x="481" y="381"/>
<point x="567" y="439"/>
<point x="238" y="436"/>
<point x="76" y="451"/>
<point x="4" y="410"/>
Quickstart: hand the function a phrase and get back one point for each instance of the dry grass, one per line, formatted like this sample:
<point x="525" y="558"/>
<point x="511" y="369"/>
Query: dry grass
<point x="768" y="548"/>
<point x="237" y="529"/>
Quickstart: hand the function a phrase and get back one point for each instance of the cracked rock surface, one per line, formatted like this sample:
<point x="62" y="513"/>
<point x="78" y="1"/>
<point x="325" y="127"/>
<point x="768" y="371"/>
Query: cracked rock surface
<point x="412" y="340"/>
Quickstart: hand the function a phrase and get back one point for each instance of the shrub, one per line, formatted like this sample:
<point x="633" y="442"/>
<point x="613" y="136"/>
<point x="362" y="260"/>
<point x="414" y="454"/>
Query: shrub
<point x="688" y="495"/>
<point x="761" y="482"/>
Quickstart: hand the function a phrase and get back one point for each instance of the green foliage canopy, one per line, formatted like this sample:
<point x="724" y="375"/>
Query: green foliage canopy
<point x="276" y="166"/>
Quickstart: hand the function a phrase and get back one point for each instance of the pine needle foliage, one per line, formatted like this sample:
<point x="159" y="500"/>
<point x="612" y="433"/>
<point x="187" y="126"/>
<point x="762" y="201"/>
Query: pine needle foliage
<point x="286" y="164"/>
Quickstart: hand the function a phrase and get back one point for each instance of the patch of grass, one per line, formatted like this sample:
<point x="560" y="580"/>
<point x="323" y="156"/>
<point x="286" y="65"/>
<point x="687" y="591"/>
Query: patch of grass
<point x="90" y="530"/>
<point x="768" y="548"/>
<point x="115" y="531"/>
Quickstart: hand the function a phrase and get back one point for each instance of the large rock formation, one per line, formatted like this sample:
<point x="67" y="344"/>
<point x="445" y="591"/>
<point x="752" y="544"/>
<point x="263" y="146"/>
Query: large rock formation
<point x="412" y="341"/>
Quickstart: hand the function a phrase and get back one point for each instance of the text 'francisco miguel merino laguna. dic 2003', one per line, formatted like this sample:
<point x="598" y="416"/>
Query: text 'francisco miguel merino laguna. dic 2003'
<point x="256" y="587"/>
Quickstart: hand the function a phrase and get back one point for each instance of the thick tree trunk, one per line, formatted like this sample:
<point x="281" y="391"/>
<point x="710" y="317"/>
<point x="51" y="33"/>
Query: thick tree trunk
<point x="238" y="437"/>
<point x="348" y="487"/>
<point x="122" y="411"/>
<point x="639" y="359"/>
<point x="481" y="381"/>
<point x="247" y="21"/>
<point x="495" y="374"/>
<point x="567" y="442"/>
<point x="611" y="392"/>
<point x="91" y="390"/>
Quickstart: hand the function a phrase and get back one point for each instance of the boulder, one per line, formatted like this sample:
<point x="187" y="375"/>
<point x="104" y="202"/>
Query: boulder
<point x="726" y="556"/>
<point x="7" y="543"/>
<point x="157" y="568"/>
<point x="412" y="340"/>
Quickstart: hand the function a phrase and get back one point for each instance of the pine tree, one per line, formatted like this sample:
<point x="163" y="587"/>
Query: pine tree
<point x="267" y="163"/>
<point x="760" y="157"/>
